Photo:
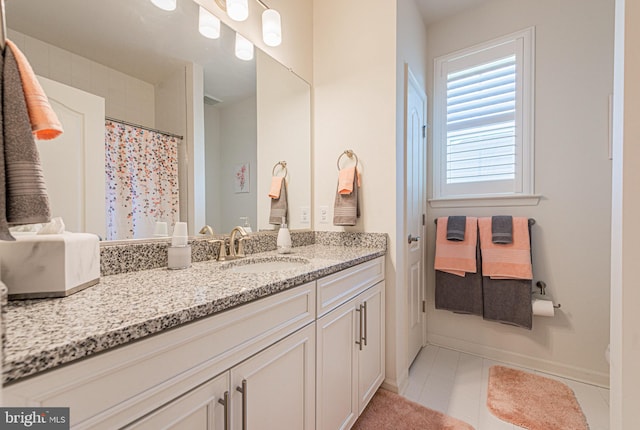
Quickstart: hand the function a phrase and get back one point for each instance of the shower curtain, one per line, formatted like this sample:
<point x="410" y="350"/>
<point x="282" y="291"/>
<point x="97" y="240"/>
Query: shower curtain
<point x="141" y="180"/>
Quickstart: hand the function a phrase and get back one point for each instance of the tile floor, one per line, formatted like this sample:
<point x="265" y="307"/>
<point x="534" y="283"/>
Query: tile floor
<point x="456" y="383"/>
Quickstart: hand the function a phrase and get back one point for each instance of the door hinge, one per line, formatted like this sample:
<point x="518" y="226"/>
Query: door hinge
<point x="424" y="131"/>
<point x="423" y="219"/>
<point x="424" y="306"/>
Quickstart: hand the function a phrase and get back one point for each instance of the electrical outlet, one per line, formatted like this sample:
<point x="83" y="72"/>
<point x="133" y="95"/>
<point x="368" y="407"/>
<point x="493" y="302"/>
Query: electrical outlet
<point x="324" y="214"/>
<point x="304" y="215"/>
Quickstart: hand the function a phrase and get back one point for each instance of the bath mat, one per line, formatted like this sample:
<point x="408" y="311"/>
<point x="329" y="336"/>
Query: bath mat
<point x="532" y="401"/>
<point x="390" y="411"/>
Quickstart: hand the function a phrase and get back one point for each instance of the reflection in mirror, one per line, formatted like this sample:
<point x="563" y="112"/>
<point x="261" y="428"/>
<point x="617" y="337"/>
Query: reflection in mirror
<point x="153" y="69"/>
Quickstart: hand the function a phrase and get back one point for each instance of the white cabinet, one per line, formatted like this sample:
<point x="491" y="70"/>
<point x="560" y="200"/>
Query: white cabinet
<point x="276" y="388"/>
<point x="284" y="362"/>
<point x="350" y="353"/>
<point x="120" y="386"/>
<point x="202" y="408"/>
<point x="272" y="390"/>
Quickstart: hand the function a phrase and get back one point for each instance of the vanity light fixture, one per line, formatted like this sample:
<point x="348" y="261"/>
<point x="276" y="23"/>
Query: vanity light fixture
<point x="271" y="21"/>
<point x="165" y="4"/>
<point x="208" y="24"/>
<point x="244" y="48"/>
<point x="271" y="27"/>
<point x="238" y="10"/>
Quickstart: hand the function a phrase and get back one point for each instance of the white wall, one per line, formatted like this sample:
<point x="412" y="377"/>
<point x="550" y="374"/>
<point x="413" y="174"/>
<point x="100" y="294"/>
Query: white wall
<point x="571" y="239"/>
<point x="284" y="134"/>
<point x="412" y="50"/>
<point x="625" y="296"/>
<point x="354" y="68"/>
<point x="238" y="145"/>
<point x="213" y="167"/>
<point x="126" y="98"/>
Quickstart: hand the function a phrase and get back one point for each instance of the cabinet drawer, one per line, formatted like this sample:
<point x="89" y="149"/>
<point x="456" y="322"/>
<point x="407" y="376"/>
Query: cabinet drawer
<point x="120" y="385"/>
<point x="341" y="287"/>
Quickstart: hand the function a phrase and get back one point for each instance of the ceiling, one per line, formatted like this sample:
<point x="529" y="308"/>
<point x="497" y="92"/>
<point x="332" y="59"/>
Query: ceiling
<point x="436" y="10"/>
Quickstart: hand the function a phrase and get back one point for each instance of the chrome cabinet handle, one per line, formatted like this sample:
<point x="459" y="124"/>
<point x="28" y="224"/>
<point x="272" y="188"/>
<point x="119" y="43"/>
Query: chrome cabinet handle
<point x="225" y="402"/>
<point x="364" y="337"/>
<point x="243" y="390"/>
<point x="360" y="341"/>
<point x="413" y="239"/>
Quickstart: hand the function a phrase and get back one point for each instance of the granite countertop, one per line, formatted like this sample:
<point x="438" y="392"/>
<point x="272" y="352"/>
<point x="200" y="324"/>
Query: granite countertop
<point x="43" y="334"/>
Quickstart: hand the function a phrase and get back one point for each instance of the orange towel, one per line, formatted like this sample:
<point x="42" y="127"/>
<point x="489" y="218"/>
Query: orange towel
<point x="506" y="261"/>
<point x="45" y="124"/>
<point x="276" y="185"/>
<point x="456" y="257"/>
<point x="345" y="180"/>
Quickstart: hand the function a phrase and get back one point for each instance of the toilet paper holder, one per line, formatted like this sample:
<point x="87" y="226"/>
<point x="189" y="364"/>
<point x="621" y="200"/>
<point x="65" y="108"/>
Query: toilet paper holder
<point x="543" y="286"/>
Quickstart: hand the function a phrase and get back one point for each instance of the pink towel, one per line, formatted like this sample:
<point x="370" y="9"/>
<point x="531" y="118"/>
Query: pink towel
<point x="457" y="258"/>
<point x="276" y="185"/>
<point x="44" y="121"/>
<point x="345" y="180"/>
<point x="506" y="261"/>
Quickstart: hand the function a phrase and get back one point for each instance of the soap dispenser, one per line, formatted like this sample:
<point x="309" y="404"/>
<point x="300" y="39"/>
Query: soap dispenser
<point x="284" y="238"/>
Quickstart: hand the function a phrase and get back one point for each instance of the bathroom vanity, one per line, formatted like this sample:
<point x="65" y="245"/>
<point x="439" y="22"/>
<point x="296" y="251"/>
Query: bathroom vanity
<point x="216" y="346"/>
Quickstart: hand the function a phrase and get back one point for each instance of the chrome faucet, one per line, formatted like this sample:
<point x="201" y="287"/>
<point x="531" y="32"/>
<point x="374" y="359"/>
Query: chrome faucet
<point x="233" y="253"/>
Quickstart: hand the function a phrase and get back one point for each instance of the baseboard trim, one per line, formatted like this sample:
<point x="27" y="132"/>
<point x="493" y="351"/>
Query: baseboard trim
<point x="395" y="386"/>
<point x="552" y="367"/>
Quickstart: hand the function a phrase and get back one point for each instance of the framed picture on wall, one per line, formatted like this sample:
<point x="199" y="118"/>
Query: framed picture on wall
<point x="241" y="178"/>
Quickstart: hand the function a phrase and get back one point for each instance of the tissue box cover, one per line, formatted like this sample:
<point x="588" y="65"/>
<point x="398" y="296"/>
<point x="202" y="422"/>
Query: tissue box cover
<point x="49" y="265"/>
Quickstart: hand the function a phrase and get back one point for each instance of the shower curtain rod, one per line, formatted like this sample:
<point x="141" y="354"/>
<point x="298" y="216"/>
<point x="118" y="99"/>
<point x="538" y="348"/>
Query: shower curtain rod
<point x="142" y="126"/>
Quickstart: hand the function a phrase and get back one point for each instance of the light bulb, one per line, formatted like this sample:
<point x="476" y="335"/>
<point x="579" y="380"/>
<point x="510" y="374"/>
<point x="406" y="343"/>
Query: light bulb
<point x="244" y="48"/>
<point x="165" y="4"/>
<point x="208" y="24"/>
<point x="238" y="10"/>
<point x="271" y="27"/>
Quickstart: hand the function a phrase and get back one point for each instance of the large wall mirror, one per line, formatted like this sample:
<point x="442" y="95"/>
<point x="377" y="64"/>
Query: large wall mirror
<point x="216" y="125"/>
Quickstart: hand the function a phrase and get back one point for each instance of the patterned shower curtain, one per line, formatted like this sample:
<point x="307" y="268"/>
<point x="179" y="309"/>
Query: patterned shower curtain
<point x="141" y="180"/>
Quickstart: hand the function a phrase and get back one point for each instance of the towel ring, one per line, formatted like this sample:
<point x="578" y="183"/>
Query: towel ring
<point x="349" y="153"/>
<point x="283" y="167"/>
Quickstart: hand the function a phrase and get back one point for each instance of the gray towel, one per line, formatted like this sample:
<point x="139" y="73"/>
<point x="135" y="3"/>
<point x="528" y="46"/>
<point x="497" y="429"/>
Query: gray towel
<point x="26" y="194"/>
<point x="508" y="301"/>
<point x="502" y="229"/>
<point x="346" y="209"/>
<point x="460" y="294"/>
<point x="4" y="226"/>
<point x="279" y="206"/>
<point x="456" y="225"/>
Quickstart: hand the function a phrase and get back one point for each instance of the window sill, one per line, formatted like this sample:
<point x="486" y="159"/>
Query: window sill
<point x="485" y="201"/>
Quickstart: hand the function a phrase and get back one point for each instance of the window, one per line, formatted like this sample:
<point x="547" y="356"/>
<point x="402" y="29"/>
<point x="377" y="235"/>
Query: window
<point x="483" y="120"/>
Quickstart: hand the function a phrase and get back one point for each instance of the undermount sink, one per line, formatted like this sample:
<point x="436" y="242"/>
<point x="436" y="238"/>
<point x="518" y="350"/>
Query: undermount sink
<point x="266" y="264"/>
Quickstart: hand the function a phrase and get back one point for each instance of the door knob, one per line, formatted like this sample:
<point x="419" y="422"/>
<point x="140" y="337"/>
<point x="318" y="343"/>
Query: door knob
<point x="413" y="239"/>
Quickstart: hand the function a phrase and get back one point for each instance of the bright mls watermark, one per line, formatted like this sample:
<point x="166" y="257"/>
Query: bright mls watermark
<point x="34" y="418"/>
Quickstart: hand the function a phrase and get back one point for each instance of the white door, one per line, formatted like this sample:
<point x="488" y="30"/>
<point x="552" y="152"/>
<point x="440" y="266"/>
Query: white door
<point x="415" y="162"/>
<point x="337" y="368"/>
<point x="275" y="389"/>
<point x="371" y="356"/>
<point x="202" y="408"/>
<point x="73" y="163"/>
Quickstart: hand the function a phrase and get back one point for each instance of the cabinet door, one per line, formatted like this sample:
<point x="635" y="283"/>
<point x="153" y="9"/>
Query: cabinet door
<point x="371" y="357"/>
<point x="198" y="409"/>
<point x="336" y="377"/>
<point x="275" y="389"/>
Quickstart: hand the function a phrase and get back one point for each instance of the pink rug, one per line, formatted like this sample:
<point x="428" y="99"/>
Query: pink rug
<point x="532" y="401"/>
<point x="390" y="411"/>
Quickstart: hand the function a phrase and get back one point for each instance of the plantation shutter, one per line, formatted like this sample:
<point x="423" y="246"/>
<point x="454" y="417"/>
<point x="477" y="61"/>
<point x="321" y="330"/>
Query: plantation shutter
<point x="481" y="122"/>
